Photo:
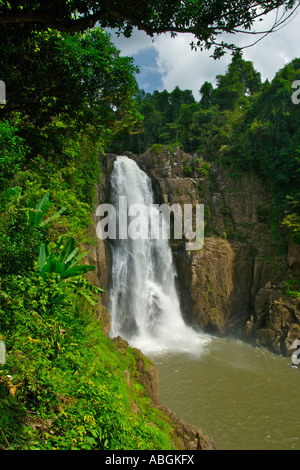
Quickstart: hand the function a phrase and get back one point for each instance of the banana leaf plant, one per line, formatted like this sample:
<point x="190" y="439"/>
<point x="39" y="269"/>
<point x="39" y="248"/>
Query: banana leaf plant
<point x="36" y="212"/>
<point x="65" y="265"/>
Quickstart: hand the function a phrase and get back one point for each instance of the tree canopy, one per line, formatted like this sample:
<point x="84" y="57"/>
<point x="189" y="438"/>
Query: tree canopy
<point x="65" y="73"/>
<point x="242" y="123"/>
<point x="58" y="83"/>
<point x="206" y="20"/>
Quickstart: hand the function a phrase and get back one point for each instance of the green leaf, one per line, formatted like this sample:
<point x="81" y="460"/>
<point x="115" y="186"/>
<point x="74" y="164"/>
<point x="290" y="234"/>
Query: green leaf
<point x="13" y="193"/>
<point x="77" y="271"/>
<point x="52" y="217"/>
<point x="72" y="255"/>
<point x="79" y="258"/>
<point x="43" y="203"/>
<point x="67" y="250"/>
<point x="36" y="214"/>
<point x="43" y="256"/>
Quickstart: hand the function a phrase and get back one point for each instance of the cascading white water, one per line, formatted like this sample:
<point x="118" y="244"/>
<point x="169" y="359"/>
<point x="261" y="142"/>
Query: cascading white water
<point x="144" y="305"/>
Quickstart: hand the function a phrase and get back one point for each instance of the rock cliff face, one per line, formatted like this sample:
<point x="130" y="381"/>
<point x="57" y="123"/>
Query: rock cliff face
<point x="99" y="255"/>
<point x="236" y="283"/>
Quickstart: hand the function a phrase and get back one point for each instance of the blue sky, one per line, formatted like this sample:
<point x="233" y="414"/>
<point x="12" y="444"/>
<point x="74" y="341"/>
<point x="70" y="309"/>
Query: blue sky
<point x="150" y="77"/>
<point x="167" y="62"/>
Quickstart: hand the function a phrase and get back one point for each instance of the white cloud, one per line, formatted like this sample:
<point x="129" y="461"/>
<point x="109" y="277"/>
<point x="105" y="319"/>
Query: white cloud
<point x="133" y="45"/>
<point x="276" y="49"/>
<point x="189" y="69"/>
<point x="179" y="65"/>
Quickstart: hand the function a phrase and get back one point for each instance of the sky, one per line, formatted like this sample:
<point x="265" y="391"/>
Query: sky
<point x="167" y="62"/>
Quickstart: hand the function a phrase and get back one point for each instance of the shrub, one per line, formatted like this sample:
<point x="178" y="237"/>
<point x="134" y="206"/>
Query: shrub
<point x="12" y="153"/>
<point x="187" y="170"/>
<point x="69" y="387"/>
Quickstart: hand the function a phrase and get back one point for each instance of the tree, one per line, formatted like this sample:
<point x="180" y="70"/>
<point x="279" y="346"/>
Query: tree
<point x="266" y="140"/>
<point x="206" y="20"/>
<point x="79" y="76"/>
<point x="161" y="124"/>
<point x="240" y="82"/>
<point x="206" y="92"/>
<point x="62" y="84"/>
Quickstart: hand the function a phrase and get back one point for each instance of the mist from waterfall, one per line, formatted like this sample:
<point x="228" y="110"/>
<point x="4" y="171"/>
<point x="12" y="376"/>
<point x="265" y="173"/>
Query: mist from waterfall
<point x="144" y="305"/>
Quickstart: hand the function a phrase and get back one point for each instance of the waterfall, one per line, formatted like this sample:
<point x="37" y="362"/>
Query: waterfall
<point x="144" y="305"/>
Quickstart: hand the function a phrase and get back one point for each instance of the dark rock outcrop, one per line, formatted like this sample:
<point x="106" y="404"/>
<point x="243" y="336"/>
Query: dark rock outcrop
<point x="187" y="436"/>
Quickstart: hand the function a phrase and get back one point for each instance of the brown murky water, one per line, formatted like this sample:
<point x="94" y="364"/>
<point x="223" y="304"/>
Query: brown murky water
<point x="245" y="398"/>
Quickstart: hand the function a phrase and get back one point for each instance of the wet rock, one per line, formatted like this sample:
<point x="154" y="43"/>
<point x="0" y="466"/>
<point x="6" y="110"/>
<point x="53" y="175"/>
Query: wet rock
<point x="294" y="256"/>
<point x="147" y="375"/>
<point x="187" y="436"/>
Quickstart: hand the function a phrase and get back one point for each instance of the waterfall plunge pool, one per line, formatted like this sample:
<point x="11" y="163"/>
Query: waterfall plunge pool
<point x="245" y="398"/>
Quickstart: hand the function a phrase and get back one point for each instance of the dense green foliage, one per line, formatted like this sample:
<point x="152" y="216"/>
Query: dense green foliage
<point x="241" y="123"/>
<point x="68" y="389"/>
<point x="13" y="153"/>
<point x="59" y="85"/>
<point x="63" y="385"/>
<point x="70" y="96"/>
<point x="206" y="20"/>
